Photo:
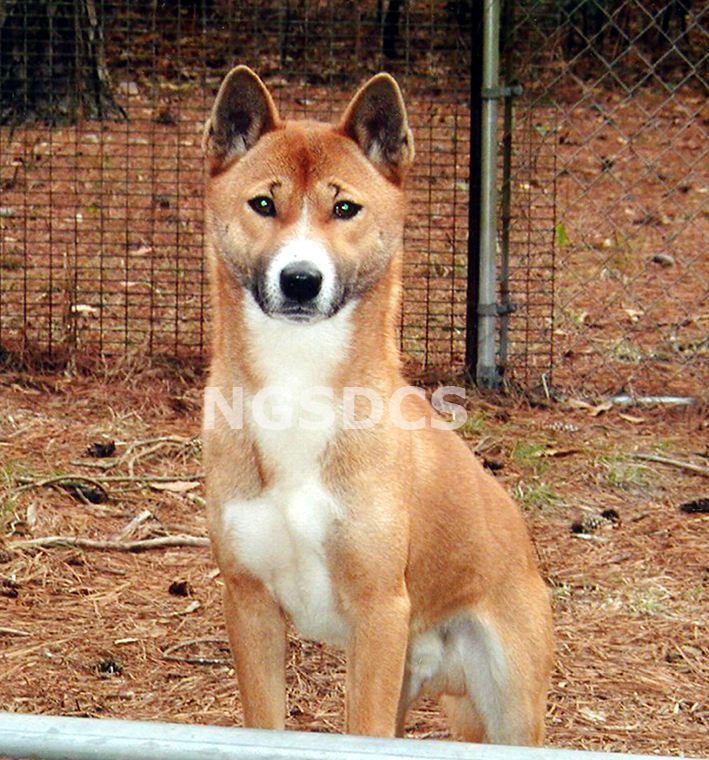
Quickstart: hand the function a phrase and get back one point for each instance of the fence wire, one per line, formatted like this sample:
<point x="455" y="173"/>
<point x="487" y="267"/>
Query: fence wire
<point x="604" y="177"/>
<point x="619" y="89"/>
<point x="102" y="104"/>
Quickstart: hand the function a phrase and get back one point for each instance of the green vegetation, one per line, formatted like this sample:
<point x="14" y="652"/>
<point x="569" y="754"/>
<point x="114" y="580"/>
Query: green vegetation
<point x="9" y="474"/>
<point x="625" y="474"/>
<point x="474" y="426"/>
<point x="562" y="238"/>
<point x="534" y="496"/>
<point x="530" y="454"/>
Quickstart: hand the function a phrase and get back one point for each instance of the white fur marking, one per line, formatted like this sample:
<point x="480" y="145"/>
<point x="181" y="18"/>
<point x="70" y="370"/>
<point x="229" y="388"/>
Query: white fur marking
<point x="425" y="662"/>
<point x="296" y="355"/>
<point x="302" y="249"/>
<point x="280" y="536"/>
<point x="465" y="655"/>
<point x="484" y="662"/>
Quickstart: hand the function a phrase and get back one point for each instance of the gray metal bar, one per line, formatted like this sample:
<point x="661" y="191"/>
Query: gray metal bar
<point x="501" y="92"/>
<point x="473" y="273"/>
<point x="45" y="737"/>
<point x="486" y="372"/>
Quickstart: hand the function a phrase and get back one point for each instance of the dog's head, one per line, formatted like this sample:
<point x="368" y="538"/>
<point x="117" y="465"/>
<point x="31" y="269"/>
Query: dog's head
<point x="306" y="216"/>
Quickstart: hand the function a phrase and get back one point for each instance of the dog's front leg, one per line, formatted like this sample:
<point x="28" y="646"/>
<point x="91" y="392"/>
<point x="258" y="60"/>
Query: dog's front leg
<point x="375" y="665"/>
<point x="257" y="636"/>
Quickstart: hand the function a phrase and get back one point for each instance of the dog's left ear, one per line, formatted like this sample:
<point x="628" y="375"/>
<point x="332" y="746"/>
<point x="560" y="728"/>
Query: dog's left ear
<point x="376" y="121"/>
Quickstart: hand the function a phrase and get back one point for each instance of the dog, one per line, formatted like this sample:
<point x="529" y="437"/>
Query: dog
<point x="387" y="539"/>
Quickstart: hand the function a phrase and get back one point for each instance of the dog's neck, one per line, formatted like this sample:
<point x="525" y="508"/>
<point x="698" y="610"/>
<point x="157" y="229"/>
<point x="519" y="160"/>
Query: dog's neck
<point x="346" y="350"/>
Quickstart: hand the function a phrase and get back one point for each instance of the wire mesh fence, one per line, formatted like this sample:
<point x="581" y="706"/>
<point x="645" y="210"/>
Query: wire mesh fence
<point x="102" y="104"/>
<point x="617" y="89"/>
<point x="603" y="174"/>
<point x="527" y="245"/>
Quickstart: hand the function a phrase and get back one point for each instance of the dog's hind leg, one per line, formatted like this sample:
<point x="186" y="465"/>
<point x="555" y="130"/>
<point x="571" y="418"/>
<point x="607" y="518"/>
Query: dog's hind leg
<point x="465" y="722"/>
<point x="505" y="671"/>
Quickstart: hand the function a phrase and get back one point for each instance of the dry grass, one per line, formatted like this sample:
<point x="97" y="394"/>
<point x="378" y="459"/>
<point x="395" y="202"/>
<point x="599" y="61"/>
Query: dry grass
<point x="86" y="632"/>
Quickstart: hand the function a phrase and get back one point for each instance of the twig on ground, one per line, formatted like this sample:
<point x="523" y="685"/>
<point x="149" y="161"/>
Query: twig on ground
<point x="146" y="478"/>
<point x="60" y="481"/>
<point x="168" y="653"/>
<point x="97" y="465"/>
<point x="132" y="526"/>
<point x="198" y="500"/>
<point x="690" y="466"/>
<point x="99" y="480"/>
<point x="688" y="662"/>
<point x="191" y="607"/>
<point x="589" y="537"/>
<point x="163" y="542"/>
<point x="154" y="443"/>
<point x="12" y="632"/>
<point x="156" y="447"/>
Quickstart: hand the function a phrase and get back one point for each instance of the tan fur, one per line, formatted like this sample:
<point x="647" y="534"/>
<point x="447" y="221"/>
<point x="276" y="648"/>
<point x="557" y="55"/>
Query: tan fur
<point x="425" y="535"/>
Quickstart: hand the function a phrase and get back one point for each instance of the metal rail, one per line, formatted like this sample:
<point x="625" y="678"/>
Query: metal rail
<point x="487" y="374"/>
<point x="44" y="737"/>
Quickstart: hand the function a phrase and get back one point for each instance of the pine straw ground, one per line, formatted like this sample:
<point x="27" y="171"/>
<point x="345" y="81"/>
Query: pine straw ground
<point x="106" y="633"/>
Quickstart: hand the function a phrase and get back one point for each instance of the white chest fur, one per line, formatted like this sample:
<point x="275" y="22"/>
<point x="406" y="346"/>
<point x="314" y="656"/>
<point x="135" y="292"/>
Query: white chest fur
<point x="281" y="535"/>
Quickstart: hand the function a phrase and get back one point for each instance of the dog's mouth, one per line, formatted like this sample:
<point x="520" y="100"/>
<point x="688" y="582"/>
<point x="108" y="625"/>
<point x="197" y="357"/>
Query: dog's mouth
<point x="294" y="312"/>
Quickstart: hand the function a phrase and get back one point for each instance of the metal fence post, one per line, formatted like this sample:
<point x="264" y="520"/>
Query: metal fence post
<point x="482" y="313"/>
<point x="473" y="283"/>
<point x="487" y="374"/>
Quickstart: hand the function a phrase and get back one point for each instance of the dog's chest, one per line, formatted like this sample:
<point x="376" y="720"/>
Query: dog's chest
<point x="281" y="536"/>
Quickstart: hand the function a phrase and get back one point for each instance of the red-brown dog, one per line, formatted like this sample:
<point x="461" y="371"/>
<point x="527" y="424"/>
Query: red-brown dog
<point x="387" y="539"/>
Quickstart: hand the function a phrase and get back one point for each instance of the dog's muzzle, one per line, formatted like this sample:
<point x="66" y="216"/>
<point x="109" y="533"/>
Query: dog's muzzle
<point x="300" y="284"/>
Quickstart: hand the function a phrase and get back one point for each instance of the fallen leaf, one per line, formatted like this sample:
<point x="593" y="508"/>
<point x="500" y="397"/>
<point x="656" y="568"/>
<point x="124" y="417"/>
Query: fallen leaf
<point x="696" y="507"/>
<point x="559" y="453"/>
<point x="84" y="308"/>
<point x="634" y="314"/>
<point x="577" y="403"/>
<point x="630" y="418"/>
<point x="604" y="406"/>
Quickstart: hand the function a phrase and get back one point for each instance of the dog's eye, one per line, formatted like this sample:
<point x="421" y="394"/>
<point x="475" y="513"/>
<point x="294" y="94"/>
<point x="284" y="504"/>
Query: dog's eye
<point x="263" y="205"/>
<point x="346" y="209"/>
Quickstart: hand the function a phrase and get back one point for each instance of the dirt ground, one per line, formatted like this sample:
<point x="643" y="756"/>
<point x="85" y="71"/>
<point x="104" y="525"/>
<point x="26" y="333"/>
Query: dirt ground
<point x="139" y="635"/>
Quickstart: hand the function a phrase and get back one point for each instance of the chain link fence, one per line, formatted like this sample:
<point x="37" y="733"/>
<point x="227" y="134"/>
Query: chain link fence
<point x="616" y="92"/>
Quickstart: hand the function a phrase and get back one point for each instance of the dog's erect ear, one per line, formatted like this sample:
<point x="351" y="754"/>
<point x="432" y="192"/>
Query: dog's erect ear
<point x="242" y="112"/>
<point x="376" y="121"/>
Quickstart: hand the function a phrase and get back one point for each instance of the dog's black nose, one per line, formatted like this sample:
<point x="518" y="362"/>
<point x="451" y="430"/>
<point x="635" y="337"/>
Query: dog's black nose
<point x="300" y="281"/>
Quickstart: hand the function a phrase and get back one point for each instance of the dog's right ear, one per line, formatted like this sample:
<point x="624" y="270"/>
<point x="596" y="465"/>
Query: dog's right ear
<point x="242" y="112"/>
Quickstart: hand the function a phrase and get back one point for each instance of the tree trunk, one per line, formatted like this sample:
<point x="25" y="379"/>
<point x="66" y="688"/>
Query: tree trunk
<point x="52" y="63"/>
<point x="391" y="33"/>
